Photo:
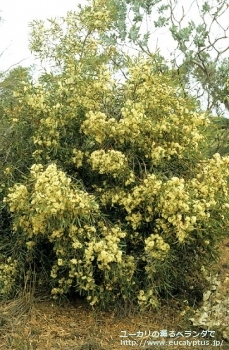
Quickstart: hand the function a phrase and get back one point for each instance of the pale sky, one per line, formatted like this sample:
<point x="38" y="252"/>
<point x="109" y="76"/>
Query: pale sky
<point x="14" y="30"/>
<point x="16" y="15"/>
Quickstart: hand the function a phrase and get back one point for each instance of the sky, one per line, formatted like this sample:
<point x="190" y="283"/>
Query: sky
<point x="14" y="30"/>
<point x="17" y="14"/>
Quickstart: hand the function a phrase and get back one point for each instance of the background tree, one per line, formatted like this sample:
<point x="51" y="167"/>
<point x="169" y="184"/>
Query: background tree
<point x="11" y="80"/>
<point x="11" y="152"/>
<point x="199" y="61"/>
<point x="13" y="145"/>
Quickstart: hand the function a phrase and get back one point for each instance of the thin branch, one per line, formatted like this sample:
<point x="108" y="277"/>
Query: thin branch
<point x="15" y="64"/>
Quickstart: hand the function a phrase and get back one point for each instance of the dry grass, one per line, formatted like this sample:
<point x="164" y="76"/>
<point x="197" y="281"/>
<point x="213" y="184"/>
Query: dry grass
<point x="223" y="265"/>
<point x="29" y="323"/>
<point x="73" y="326"/>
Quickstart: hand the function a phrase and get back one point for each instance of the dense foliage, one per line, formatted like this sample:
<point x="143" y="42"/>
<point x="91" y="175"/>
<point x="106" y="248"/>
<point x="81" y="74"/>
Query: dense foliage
<point x="112" y="195"/>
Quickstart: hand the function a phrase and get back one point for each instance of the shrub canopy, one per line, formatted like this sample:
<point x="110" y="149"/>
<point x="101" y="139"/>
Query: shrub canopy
<point x="112" y="194"/>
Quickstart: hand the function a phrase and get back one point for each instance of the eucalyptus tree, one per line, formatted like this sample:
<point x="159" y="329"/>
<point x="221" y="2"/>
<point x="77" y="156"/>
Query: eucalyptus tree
<point x="198" y="61"/>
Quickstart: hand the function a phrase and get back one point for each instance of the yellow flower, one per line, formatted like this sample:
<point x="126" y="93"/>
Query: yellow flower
<point x="60" y="262"/>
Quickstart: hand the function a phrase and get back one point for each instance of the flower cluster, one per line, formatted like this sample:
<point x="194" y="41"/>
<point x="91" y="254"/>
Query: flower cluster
<point x="51" y="197"/>
<point x="97" y="18"/>
<point x="110" y="162"/>
<point x="78" y="157"/>
<point x="17" y="197"/>
<point x="147" y="298"/>
<point x="155" y="247"/>
<point x="106" y="250"/>
<point x="98" y="126"/>
<point x="8" y="274"/>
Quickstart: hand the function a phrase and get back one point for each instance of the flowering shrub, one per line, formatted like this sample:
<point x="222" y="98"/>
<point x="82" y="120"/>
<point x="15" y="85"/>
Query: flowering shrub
<point x="119" y="185"/>
<point x="52" y="208"/>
